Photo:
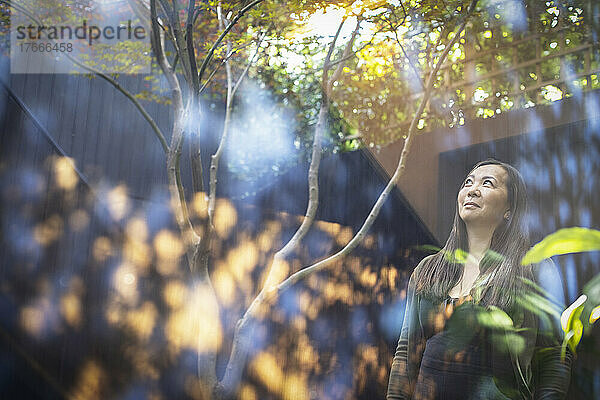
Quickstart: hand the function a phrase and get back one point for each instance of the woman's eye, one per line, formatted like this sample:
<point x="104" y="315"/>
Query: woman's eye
<point x="488" y="182"/>
<point x="468" y="181"/>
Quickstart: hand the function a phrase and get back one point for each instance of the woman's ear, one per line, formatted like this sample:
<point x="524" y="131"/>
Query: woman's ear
<point x="507" y="215"/>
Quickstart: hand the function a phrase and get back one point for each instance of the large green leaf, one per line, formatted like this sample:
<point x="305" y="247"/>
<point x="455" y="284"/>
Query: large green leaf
<point x="568" y="240"/>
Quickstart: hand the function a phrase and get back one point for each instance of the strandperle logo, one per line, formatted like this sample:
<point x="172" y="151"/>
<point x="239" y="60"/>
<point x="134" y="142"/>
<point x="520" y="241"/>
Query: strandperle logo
<point x="106" y="36"/>
<point x="90" y="33"/>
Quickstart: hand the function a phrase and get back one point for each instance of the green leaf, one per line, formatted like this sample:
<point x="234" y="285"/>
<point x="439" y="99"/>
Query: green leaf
<point x="571" y="323"/>
<point x="542" y="304"/>
<point x="563" y="351"/>
<point x="577" y="333"/>
<point x="592" y="289"/>
<point x="595" y="314"/>
<point x="572" y="312"/>
<point x="428" y="248"/>
<point x="459" y="256"/>
<point x="568" y="240"/>
<point x="495" y="318"/>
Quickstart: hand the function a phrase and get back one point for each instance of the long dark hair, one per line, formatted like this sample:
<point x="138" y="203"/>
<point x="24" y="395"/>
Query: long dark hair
<point x="500" y="268"/>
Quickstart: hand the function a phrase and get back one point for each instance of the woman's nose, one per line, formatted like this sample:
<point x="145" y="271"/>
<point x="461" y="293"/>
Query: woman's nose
<point x="474" y="191"/>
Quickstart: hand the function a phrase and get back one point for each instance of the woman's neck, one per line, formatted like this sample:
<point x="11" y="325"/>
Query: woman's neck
<point x="479" y="239"/>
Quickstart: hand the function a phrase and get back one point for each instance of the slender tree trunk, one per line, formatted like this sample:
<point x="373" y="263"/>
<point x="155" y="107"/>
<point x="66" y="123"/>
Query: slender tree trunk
<point x="211" y="329"/>
<point x="279" y="270"/>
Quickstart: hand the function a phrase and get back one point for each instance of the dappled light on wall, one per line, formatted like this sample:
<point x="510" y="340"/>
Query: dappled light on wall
<point x="195" y="324"/>
<point x="91" y="381"/>
<point x="34" y="318"/>
<point x="136" y="250"/>
<point x="70" y="303"/>
<point x="225" y="217"/>
<point x="64" y="173"/>
<point x="117" y="202"/>
<point x="125" y="282"/>
<point x="49" y="230"/>
<point x="169" y="250"/>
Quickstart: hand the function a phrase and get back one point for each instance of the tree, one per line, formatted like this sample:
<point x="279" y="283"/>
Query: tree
<point x="198" y="246"/>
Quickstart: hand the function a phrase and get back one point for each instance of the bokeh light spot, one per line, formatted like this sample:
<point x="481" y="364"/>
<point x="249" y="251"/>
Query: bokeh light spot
<point x="143" y="320"/>
<point x="196" y="325"/>
<point x="70" y="309"/>
<point x="102" y="249"/>
<point x="168" y="246"/>
<point x="79" y="220"/>
<point x="90" y="383"/>
<point x="64" y="173"/>
<point x="174" y="294"/>
<point x="49" y="230"/>
<point x="118" y="202"/>
<point x="267" y="370"/>
<point x="225" y="217"/>
<point x="124" y="281"/>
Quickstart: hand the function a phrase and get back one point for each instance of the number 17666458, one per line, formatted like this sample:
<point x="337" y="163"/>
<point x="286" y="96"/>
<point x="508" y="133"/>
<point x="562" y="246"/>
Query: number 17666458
<point x="45" y="47"/>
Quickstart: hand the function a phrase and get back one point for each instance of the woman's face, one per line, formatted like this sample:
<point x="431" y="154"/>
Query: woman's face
<point x="483" y="198"/>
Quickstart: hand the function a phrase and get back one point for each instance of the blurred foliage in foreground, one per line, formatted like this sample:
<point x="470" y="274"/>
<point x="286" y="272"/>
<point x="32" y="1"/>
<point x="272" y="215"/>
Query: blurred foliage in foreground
<point x="95" y="286"/>
<point x="581" y="314"/>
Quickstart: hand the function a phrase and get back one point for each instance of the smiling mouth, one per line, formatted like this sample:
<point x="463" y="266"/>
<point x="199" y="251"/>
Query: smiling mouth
<point x="470" y="203"/>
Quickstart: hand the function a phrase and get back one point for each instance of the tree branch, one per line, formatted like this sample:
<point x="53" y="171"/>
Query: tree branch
<point x="354" y="53"/>
<point x="178" y="201"/>
<point x="217" y="43"/>
<point x="166" y="11"/>
<point x="139" y="9"/>
<point x="239" y="349"/>
<point x="215" y="159"/>
<point x="345" y="54"/>
<point x="217" y="156"/>
<point x="313" y="170"/>
<point x="214" y="71"/>
<point x="399" y="42"/>
<point x="190" y="46"/>
<point x="180" y="190"/>
<point x="327" y="62"/>
<point x="195" y="149"/>
<point x="136" y="103"/>
<point x="182" y="43"/>
<point x="196" y="161"/>
<point x="249" y="64"/>
<point x="158" y="47"/>
<point x="410" y="61"/>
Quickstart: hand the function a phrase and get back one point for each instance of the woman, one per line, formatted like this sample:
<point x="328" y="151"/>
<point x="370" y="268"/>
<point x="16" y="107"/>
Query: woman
<point x="472" y="328"/>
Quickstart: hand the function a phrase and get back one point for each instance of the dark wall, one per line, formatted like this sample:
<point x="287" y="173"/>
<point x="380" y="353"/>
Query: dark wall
<point x="67" y="322"/>
<point x="99" y="127"/>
